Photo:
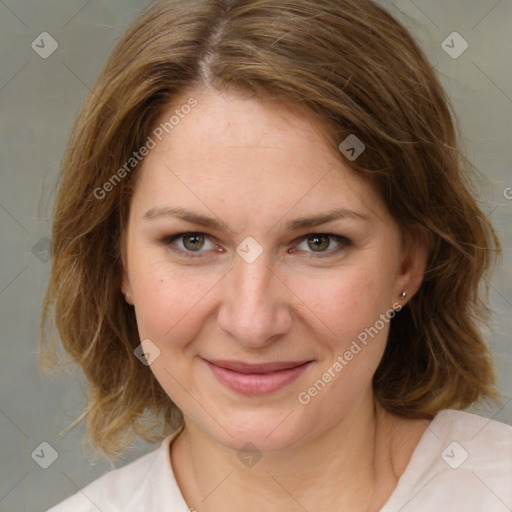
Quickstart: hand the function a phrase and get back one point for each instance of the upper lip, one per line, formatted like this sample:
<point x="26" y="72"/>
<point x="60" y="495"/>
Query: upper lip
<point x="243" y="367"/>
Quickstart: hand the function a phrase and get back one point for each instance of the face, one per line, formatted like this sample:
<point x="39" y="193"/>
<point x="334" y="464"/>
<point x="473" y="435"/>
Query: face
<point x="256" y="261"/>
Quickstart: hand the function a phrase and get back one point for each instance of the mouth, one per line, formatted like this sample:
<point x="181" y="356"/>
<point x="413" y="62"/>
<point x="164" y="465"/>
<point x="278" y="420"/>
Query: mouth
<point x="256" y="379"/>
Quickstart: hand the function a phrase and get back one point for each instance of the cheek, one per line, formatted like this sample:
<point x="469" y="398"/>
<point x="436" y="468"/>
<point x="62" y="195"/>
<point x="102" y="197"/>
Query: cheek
<point x="344" y="301"/>
<point x="349" y="305"/>
<point x="167" y="298"/>
<point x="170" y="311"/>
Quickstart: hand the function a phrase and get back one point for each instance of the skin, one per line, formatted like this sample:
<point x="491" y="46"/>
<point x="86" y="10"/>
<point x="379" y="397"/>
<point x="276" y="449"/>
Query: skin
<point x="256" y="166"/>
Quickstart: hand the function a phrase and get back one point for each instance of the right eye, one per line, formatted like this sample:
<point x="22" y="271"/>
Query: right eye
<point x="189" y="243"/>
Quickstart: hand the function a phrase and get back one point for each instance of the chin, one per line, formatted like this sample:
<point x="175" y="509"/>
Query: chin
<point x="274" y="431"/>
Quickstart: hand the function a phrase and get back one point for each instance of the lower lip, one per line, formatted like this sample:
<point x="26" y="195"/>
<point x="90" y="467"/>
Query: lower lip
<point x="257" y="383"/>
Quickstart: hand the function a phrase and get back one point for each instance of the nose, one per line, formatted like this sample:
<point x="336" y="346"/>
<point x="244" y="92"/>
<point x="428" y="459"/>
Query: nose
<point x="255" y="307"/>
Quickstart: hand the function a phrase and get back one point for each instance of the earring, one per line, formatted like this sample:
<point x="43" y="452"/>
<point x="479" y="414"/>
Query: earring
<point x="403" y="294"/>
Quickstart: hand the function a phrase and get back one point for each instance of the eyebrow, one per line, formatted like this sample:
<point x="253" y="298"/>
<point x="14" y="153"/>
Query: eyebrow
<point x="294" y="225"/>
<point x="324" y="218"/>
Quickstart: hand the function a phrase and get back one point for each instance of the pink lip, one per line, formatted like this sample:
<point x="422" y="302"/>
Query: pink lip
<point x="257" y="379"/>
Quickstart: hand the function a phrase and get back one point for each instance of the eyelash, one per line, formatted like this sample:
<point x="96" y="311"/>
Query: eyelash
<point x="343" y="241"/>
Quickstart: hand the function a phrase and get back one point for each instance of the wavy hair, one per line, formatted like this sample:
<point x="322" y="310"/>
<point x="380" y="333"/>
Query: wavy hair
<point x="355" y="69"/>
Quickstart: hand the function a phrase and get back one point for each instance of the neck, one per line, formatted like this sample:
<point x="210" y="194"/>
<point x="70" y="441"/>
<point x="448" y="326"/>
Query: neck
<point x="353" y="465"/>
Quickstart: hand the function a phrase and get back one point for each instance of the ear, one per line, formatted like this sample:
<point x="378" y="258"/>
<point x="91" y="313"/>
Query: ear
<point x="415" y="254"/>
<point x="126" y="287"/>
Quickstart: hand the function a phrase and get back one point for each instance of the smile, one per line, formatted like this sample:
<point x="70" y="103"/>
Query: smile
<point x="256" y="379"/>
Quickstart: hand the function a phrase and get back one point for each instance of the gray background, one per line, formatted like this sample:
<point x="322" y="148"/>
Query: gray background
<point x="39" y="99"/>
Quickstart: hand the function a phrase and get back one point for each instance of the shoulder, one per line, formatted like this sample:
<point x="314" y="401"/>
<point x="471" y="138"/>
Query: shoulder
<point x="113" y="491"/>
<point x="463" y="462"/>
<point x="148" y="481"/>
<point x="476" y="444"/>
<point x="475" y="463"/>
<point x="478" y="435"/>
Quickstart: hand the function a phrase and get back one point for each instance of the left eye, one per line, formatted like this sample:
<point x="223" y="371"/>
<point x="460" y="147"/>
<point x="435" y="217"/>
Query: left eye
<point x="320" y="243"/>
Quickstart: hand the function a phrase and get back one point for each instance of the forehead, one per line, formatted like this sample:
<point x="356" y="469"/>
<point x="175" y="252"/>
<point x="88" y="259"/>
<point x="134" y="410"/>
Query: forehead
<point x="249" y="153"/>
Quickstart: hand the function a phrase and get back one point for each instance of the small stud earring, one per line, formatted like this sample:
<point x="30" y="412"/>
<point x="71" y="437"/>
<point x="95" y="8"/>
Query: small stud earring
<point x="403" y="294"/>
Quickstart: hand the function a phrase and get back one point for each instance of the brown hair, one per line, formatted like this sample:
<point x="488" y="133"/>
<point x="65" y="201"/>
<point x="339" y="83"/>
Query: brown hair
<point x="358" y="71"/>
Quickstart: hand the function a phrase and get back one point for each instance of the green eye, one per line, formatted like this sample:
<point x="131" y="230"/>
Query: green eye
<point x="318" y="243"/>
<point x="190" y="244"/>
<point x="322" y="244"/>
<point x="194" y="244"/>
<point x="193" y="241"/>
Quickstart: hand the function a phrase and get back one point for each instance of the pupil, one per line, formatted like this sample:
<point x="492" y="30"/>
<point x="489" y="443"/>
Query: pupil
<point x="193" y="242"/>
<point x="319" y="243"/>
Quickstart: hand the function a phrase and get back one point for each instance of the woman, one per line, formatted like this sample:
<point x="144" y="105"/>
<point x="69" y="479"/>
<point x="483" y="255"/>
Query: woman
<point x="265" y="242"/>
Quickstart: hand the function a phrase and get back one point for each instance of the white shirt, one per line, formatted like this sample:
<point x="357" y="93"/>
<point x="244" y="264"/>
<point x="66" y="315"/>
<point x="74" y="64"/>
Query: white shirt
<point x="463" y="463"/>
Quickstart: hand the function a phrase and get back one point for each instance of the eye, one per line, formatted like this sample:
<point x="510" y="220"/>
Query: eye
<point x="190" y="243"/>
<point x="195" y="244"/>
<point x="322" y="244"/>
